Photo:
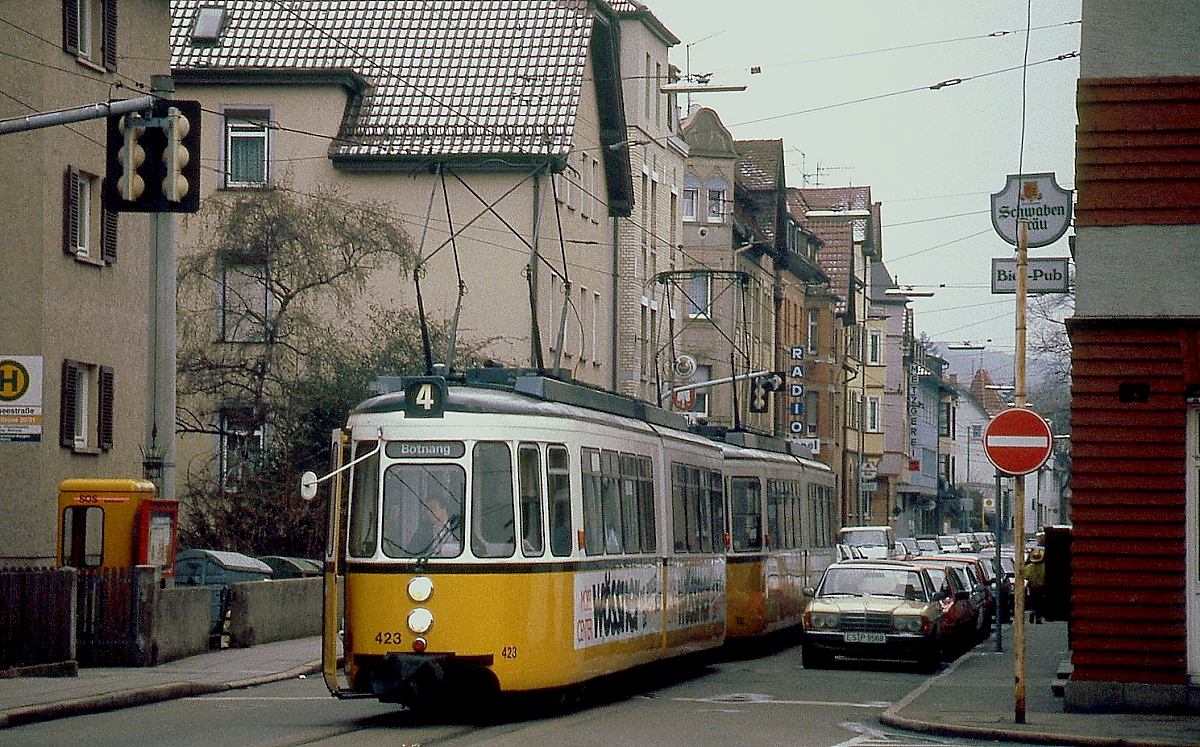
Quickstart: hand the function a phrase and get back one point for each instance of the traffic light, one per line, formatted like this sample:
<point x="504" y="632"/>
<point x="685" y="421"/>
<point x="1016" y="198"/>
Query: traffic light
<point x="774" y="381"/>
<point x="758" y="394"/>
<point x="154" y="159"/>
<point x="761" y="387"/>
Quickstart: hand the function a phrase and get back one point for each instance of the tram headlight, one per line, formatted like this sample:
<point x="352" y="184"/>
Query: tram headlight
<point x="420" y="620"/>
<point x="420" y="588"/>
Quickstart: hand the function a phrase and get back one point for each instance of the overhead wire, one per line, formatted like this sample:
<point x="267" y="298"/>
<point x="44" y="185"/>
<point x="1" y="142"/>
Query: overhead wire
<point x="601" y="200"/>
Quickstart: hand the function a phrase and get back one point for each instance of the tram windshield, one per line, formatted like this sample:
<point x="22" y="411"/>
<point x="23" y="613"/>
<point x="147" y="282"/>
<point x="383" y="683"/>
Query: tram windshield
<point x="422" y="510"/>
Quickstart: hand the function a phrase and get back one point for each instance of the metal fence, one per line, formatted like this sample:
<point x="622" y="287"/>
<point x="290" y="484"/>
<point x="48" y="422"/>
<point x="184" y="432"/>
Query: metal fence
<point x="115" y="608"/>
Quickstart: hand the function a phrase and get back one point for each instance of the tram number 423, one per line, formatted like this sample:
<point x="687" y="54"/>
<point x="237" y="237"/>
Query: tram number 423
<point x="508" y="652"/>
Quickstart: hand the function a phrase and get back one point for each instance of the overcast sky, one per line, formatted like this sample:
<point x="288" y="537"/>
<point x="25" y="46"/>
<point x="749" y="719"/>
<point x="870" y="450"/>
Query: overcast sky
<point x="846" y="85"/>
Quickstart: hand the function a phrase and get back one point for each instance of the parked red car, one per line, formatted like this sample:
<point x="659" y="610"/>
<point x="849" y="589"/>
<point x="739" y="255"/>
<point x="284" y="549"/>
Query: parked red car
<point x="960" y="615"/>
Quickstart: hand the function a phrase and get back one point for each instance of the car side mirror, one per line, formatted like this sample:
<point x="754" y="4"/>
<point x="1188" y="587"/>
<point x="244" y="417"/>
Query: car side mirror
<point x="809" y="591"/>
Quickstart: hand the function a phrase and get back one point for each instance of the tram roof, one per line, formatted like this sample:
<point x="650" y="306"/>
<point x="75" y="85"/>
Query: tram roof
<point x="508" y="392"/>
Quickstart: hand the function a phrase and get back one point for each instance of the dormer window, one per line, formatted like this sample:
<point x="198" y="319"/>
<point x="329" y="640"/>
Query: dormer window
<point x="206" y="29"/>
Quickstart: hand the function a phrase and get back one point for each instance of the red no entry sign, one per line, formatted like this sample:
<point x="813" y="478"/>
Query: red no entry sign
<point x="1018" y="441"/>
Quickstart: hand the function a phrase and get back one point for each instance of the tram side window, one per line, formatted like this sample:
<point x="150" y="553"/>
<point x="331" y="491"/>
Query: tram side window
<point x="364" y="504"/>
<point x="820" y="509"/>
<point x="558" y="485"/>
<point x="644" y="486"/>
<point x="492" y="533"/>
<point x="697" y="508"/>
<point x="745" y="499"/>
<point x="774" y="516"/>
<point x="83" y="536"/>
<point x="716" y="499"/>
<point x="529" y="485"/>
<point x="796" y="504"/>
<point x="618" y="503"/>
<point x="684" y="511"/>
<point x="593" y="516"/>
<point x="610" y="501"/>
<point x="637" y="503"/>
<point x="784" y="495"/>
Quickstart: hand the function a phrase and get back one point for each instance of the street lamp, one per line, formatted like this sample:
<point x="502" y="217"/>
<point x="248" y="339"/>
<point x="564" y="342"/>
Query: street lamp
<point x="907" y="291"/>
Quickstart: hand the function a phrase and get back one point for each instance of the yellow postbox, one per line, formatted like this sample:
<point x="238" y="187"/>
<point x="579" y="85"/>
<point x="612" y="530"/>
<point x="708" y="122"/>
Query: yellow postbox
<point x="115" y="523"/>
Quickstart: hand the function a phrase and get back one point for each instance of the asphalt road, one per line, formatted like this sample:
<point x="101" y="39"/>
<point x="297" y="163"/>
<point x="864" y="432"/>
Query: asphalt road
<point x="760" y="698"/>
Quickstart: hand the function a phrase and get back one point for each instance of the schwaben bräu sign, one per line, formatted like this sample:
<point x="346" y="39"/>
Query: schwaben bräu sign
<point x="1037" y="199"/>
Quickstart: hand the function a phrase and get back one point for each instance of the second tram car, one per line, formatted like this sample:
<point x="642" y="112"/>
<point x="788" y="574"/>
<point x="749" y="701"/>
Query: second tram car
<point x="513" y="532"/>
<point x="781" y="529"/>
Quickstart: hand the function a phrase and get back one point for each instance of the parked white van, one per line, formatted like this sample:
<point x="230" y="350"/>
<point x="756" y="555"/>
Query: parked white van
<point x="871" y="542"/>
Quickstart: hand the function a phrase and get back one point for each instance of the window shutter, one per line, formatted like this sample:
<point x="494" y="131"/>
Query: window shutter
<point x="72" y="210"/>
<point x="66" y="411"/>
<point x="108" y="236"/>
<point x="104" y="432"/>
<point x="71" y="30"/>
<point x="108" y="43"/>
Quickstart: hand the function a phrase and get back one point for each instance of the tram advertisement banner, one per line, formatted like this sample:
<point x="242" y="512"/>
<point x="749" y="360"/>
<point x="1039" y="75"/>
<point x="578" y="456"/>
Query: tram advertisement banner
<point x="695" y="593"/>
<point x="617" y="604"/>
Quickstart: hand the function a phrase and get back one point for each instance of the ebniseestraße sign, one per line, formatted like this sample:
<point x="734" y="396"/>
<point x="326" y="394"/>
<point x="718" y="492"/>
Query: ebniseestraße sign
<point x="1037" y="199"/>
<point x="1042" y="275"/>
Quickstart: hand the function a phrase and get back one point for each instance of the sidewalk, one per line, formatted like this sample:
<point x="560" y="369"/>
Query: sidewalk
<point x="974" y="696"/>
<point x="27" y="699"/>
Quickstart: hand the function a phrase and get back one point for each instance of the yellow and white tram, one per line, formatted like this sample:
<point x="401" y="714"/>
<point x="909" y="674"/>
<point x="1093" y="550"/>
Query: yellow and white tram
<point x="781" y="530"/>
<point x="514" y="533"/>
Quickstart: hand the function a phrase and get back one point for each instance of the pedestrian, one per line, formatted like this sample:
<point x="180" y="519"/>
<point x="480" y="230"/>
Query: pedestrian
<point x="1035" y="583"/>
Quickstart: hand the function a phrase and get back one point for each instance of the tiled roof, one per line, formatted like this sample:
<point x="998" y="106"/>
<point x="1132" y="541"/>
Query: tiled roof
<point x="445" y="77"/>
<point x="758" y="165"/>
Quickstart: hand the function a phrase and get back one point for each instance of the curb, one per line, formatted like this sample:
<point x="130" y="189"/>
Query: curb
<point x="141" y="696"/>
<point x="892" y="717"/>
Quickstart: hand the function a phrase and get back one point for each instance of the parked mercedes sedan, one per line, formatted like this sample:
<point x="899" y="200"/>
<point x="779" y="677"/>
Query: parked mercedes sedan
<point x="873" y="609"/>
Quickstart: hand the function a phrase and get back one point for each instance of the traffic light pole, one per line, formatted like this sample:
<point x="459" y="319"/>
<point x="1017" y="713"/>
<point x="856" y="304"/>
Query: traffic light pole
<point x="160" y="420"/>
<point x="78" y="114"/>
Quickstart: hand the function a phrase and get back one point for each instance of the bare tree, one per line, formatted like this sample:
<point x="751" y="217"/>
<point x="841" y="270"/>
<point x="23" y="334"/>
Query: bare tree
<point x="275" y="339"/>
<point x="267" y="300"/>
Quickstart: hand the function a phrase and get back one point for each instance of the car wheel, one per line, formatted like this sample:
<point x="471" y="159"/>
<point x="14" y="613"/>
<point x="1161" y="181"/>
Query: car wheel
<point x="811" y="658"/>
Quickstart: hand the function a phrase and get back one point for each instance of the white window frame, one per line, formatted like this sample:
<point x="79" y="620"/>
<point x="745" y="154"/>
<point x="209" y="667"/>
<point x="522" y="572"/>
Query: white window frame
<point x="85" y="18"/>
<point x="80" y="231"/>
<point x="703" y="394"/>
<point x="874" y="415"/>
<point x="234" y="457"/>
<point x="875" y="347"/>
<point x="88" y="412"/>
<point x="243" y="316"/>
<point x="716" y="195"/>
<point x="814" y="330"/>
<point x="586" y="176"/>
<point x="691" y="198"/>
<point x="247" y="123"/>
<point x="699" y="296"/>
<point x="812" y="412"/>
